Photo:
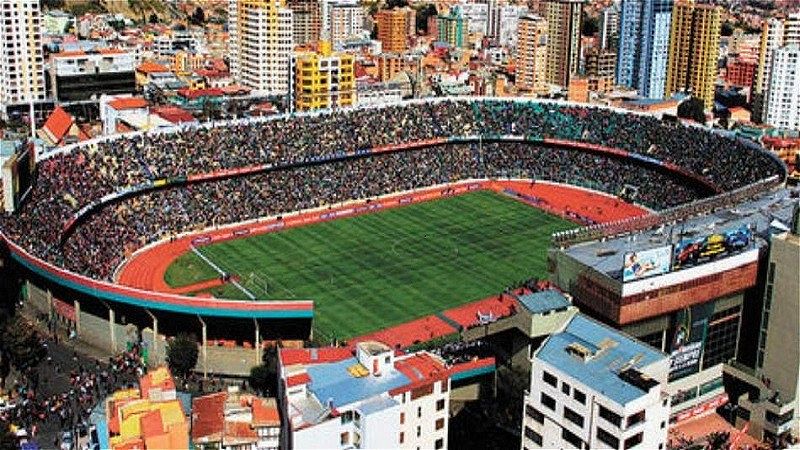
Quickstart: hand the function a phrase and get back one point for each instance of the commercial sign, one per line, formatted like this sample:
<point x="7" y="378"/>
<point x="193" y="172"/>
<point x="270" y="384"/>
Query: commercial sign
<point x="647" y="263"/>
<point x="689" y="330"/>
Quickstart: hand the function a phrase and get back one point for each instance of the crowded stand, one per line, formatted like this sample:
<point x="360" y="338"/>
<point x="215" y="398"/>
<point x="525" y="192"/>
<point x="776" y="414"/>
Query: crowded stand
<point x="322" y="159"/>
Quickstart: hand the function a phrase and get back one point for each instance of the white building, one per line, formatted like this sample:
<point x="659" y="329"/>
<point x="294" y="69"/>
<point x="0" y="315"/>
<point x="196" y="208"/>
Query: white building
<point x="261" y="44"/>
<point x="21" y="60"/>
<point x="503" y="23"/>
<point x="594" y="387"/>
<point x="477" y="16"/>
<point x="782" y="102"/>
<point x="375" y="399"/>
<point x="344" y="21"/>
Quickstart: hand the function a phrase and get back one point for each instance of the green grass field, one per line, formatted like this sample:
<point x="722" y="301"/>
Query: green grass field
<point x="369" y="272"/>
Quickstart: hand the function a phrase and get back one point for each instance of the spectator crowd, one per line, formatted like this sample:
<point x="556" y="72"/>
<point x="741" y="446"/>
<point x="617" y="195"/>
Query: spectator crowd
<point x="322" y="159"/>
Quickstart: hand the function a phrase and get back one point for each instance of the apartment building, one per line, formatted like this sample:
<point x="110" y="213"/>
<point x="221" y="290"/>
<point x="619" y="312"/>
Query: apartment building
<point x="21" y="60"/>
<point x="323" y="79"/>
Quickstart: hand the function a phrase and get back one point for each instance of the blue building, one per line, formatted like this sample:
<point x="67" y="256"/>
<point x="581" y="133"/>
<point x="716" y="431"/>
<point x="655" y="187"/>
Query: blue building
<point x="643" y="46"/>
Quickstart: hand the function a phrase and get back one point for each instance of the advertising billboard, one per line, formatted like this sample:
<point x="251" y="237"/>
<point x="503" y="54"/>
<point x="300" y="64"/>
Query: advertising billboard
<point x="689" y="330"/>
<point x="692" y="251"/>
<point x="646" y="263"/>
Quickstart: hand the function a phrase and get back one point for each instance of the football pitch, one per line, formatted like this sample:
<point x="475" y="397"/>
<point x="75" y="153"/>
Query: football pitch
<point x="380" y="269"/>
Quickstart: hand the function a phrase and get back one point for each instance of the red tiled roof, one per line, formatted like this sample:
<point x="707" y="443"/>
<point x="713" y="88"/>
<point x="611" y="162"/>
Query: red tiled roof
<point x="196" y="93"/>
<point x="239" y="430"/>
<point x="208" y="415"/>
<point x="265" y="412"/>
<point x="151" y="67"/>
<point x="291" y="356"/>
<point x="297" y="380"/>
<point x="174" y="114"/>
<point x="58" y="124"/>
<point x="127" y="103"/>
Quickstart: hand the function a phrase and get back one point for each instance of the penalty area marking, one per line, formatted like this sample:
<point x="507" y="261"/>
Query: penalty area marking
<point x="222" y="273"/>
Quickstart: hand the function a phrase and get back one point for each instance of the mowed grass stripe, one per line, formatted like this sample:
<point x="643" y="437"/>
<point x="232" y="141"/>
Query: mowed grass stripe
<point x="376" y="270"/>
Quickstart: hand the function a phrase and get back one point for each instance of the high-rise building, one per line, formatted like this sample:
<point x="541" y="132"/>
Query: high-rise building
<point x="782" y="101"/>
<point x="323" y="79"/>
<point x="451" y="27"/>
<point x="772" y="400"/>
<point x="643" y="46"/>
<point x="476" y="15"/>
<point x="307" y="20"/>
<point x="609" y="27"/>
<point x="694" y="50"/>
<point x="21" y="59"/>
<point x="393" y="28"/>
<point x="345" y="21"/>
<point x="503" y="23"/>
<point x="564" y="39"/>
<point x="532" y="54"/>
<point x="775" y="33"/>
<point x="594" y="387"/>
<point x="261" y="44"/>
<point x="600" y="65"/>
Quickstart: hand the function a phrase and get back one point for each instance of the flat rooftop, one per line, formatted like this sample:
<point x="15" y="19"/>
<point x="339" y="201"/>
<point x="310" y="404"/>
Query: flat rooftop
<point x="543" y="301"/>
<point x="607" y="256"/>
<point x="609" y="354"/>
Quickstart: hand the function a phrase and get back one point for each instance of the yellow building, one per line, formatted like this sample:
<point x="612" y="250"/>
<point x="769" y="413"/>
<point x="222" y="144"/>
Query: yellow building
<point x="323" y="79"/>
<point x="532" y="55"/>
<point x="694" y="50"/>
<point x="563" y="39"/>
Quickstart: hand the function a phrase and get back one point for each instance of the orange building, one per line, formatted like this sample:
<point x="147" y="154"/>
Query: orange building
<point x="740" y="73"/>
<point x="393" y="28"/>
<point x="147" y="418"/>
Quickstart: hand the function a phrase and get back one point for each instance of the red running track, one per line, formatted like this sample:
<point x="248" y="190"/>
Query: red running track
<point x="146" y="269"/>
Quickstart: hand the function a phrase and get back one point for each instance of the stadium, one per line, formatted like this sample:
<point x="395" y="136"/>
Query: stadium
<point x="342" y="225"/>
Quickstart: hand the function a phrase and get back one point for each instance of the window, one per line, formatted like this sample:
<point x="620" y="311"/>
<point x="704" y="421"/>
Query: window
<point x="607" y="438"/>
<point x="344" y="438"/>
<point x="402" y="437"/>
<point x="633" y="441"/>
<point x="610" y="416"/>
<point x="573" y="417"/>
<point x="402" y="418"/>
<point x="573" y="440"/>
<point x="534" y="413"/>
<point x="663" y="424"/>
<point x="565" y="388"/>
<point x="635" y="419"/>
<point x="419" y="431"/>
<point x="548" y="401"/>
<point x="347" y="417"/>
<point x="579" y="396"/>
<point x="439" y="444"/>
<point x="439" y="424"/>
<point x="550" y="379"/>
<point x="533" y="436"/>
<point x="419" y="411"/>
<point x="440" y="404"/>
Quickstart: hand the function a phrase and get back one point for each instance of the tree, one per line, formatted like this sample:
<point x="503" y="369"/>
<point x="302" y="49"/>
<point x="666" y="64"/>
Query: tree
<point x="693" y="109"/>
<point x="264" y="377"/>
<point x="198" y="17"/>
<point x="182" y="354"/>
<point x="718" y="440"/>
<point x="390" y="4"/>
<point x="428" y="10"/>
<point x="20" y="344"/>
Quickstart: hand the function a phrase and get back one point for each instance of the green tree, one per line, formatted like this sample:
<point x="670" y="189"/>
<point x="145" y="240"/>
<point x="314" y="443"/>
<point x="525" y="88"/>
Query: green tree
<point x="264" y="377"/>
<point x="423" y="13"/>
<point x="182" y="354"/>
<point x="20" y="345"/>
<point x="693" y="109"/>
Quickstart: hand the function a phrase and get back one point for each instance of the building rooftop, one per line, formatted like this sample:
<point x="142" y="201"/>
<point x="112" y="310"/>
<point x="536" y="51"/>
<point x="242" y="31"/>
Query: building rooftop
<point x="607" y="256"/>
<point x="597" y="356"/>
<point x="543" y="301"/>
<point x="332" y="381"/>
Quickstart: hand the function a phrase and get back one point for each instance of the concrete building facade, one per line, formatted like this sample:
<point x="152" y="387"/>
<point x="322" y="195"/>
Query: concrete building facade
<point x="532" y="55"/>
<point x="643" y="45"/>
<point x="782" y="101"/>
<point x="21" y="59"/>
<point x="564" y="39"/>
